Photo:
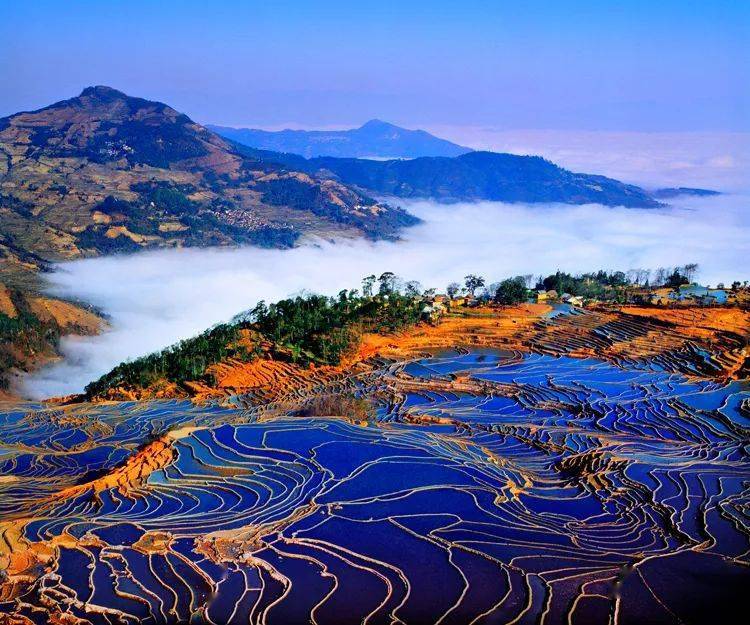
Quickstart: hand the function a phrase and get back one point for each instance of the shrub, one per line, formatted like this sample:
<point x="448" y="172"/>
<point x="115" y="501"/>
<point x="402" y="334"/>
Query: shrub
<point x="356" y="408"/>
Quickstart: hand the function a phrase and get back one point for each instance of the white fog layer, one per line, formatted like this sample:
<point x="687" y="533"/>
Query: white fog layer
<point x="156" y="298"/>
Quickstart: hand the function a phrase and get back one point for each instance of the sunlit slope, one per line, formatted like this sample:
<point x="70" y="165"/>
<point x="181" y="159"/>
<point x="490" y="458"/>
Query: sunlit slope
<point x="105" y="172"/>
<point x="307" y="341"/>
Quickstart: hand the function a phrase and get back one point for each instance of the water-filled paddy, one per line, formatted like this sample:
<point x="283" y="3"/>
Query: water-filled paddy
<point x="554" y="489"/>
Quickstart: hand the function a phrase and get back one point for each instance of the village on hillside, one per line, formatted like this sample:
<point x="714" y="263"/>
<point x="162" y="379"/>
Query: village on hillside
<point x="670" y="288"/>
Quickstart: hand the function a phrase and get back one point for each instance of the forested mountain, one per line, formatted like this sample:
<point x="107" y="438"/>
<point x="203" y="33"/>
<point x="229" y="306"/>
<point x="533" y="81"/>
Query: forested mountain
<point x="469" y="177"/>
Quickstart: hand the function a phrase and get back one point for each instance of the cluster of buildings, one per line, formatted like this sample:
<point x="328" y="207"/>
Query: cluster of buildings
<point x="694" y="294"/>
<point x="565" y="298"/>
<point x="685" y="295"/>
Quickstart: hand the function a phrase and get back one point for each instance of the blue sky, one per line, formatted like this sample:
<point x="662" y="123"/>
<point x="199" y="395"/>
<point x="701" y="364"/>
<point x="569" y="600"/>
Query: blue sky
<point x="646" y="66"/>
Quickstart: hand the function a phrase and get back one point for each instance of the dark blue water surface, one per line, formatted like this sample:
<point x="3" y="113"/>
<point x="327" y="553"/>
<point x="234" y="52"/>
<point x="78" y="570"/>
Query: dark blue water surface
<point x="559" y="489"/>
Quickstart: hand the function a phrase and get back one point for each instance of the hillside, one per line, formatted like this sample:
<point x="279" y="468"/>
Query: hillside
<point x="307" y="332"/>
<point x="105" y="172"/>
<point x="31" y="325"/>
<point x="309" y="339"/>
<point x="470" y="177"/>
<point x="374" y="139"/>
<point x="672" y="192"/>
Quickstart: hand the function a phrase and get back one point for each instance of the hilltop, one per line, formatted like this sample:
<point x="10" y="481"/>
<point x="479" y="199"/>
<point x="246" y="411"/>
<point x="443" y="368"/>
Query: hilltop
<point x="106" y="172"/>
<point x="375" y="138"/>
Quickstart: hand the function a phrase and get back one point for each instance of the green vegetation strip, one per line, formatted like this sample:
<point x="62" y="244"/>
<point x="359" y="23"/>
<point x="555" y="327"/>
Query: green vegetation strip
<point x="305" y="329"/>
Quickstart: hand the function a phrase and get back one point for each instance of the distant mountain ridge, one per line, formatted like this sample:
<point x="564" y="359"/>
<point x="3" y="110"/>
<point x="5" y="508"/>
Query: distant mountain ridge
<point x="672" y="192"/>
<point x="474" y="176"/>
<point x="375" y="138"/>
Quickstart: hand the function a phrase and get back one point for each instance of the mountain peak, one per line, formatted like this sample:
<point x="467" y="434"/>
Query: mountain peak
<point x="102" y="92"/>
<point x="377" y="124"/>
<point x="105" y="125"/>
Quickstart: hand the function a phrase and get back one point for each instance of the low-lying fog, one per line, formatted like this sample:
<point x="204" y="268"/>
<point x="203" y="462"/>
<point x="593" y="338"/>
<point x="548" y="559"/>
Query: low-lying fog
<point x="156" y="298"/>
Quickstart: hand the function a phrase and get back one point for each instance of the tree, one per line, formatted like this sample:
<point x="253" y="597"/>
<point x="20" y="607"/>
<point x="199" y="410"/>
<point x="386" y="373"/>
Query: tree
<point x="452" y="289"/>
<point x="473" y="282"/>
<point x="557" y="282"/>
<point x="367" y="284"/>
<point x="638" y="276"/>
<point x="675" y="279"/>
<point x="660" y="276"/>
<point x="489" y="291"/>
<point x="690" y="270"/>
<point x="260" y="310"/>
<point x="413" y="288"/>
<point x="618" y="278"/>
<point x="387" y="282"/>
<point x="511" y="291"/>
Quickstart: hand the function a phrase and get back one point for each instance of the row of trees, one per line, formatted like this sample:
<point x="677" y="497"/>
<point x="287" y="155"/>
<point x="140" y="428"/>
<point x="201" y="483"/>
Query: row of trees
<point x="183" y="361"/>
<point x="389" y="283"/>
<point x="599" y="284"/>
<point x="593" y="284"/>
<point x="315" y="328"/>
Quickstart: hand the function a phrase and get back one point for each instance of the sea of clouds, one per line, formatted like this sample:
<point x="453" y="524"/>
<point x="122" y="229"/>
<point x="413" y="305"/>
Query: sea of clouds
<point x="156" y="298"/>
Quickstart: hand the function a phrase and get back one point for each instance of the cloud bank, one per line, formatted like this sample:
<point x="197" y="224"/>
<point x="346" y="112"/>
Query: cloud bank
<point x="156" y="298"/>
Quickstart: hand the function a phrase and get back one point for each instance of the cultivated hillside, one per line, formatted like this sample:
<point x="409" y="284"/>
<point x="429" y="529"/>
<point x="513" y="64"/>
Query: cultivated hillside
<point x="308" y="340"/>
<point x="105" y="172"/>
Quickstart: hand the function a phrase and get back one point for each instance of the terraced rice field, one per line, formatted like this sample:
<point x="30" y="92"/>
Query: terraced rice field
<point x="491" y="487"/>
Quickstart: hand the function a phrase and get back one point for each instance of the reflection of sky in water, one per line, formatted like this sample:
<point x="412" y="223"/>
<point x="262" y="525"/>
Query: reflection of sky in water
<point x="566" y="462"/>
